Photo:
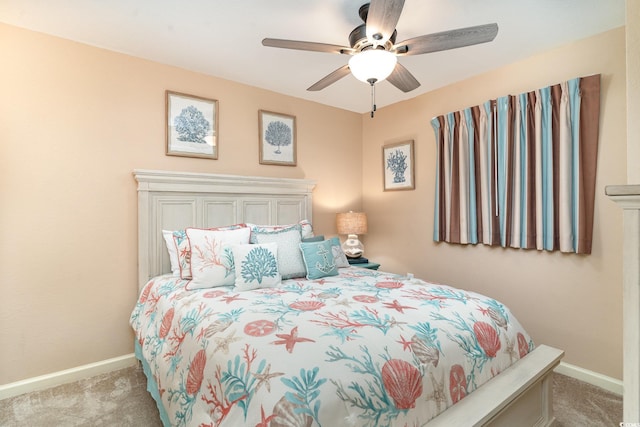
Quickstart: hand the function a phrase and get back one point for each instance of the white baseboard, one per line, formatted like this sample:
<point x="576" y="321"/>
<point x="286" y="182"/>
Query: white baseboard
<point x="608" y="383"/>
<point x="67" y="376"/>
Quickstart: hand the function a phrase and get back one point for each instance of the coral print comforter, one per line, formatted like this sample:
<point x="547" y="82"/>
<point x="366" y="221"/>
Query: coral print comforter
<point x="364" y="348"/>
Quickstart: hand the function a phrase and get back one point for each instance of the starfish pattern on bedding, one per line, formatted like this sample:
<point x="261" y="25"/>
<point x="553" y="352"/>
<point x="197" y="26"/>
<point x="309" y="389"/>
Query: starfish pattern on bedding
<point x="264" y="422"/>
<point x="231" y="298"/>
<point x="405" y="344"/>
<point x="513" y="355"/>
<point x="289" y="340"/>
<point x="438" y="395"/>
<point x="222" y="343"/>
<point x="397" y="306"/>
<point x="483" y="310"/>
<point x="266" y="377"/>
<point x="344" y="302"/>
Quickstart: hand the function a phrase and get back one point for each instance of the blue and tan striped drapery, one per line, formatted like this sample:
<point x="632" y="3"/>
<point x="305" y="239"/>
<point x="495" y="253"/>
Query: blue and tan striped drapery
<point x="519" y="171"/>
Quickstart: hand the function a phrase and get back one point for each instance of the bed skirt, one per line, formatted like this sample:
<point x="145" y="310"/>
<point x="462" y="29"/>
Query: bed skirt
<point x="152" y="386"/>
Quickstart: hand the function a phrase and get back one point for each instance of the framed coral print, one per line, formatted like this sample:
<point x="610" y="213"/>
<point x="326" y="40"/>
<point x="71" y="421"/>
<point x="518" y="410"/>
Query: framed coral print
<point x="398" y="166"/>
<point x="192" y="126"/>
<point x="277" y="138"/>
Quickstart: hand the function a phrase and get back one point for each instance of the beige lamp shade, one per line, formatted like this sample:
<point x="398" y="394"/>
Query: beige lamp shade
<point x="351" y="223"/>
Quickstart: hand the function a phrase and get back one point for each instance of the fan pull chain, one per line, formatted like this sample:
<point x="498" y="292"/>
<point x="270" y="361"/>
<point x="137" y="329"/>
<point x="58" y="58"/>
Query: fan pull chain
<point x="373" y="96"/>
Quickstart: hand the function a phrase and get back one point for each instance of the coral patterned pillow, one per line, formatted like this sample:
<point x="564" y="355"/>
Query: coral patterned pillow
<point x="183" y="248"/>
<point x="256" y="266"/>
<point x="212" y="261"/>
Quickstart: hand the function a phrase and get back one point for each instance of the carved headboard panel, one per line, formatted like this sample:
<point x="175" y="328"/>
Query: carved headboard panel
<point x="175" y="200"/>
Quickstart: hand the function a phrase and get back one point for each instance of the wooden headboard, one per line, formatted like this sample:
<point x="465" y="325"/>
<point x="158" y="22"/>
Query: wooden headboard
<point x="175" y="200"/>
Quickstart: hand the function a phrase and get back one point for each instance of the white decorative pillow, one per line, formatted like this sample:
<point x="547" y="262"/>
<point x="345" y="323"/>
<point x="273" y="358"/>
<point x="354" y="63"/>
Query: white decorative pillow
<point x="183" y="248"/>
<point x="256" y="266"/>
<point x="172" y="250"/>
<point x="290" y="261"/>
<point x="338" y="254"/>
<point x="306" y="230"/>
<point x="211" y="256"/>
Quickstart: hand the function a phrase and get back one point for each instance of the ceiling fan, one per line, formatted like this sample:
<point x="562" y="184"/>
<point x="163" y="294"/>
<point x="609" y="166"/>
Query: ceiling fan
<point x="374" y="50"/>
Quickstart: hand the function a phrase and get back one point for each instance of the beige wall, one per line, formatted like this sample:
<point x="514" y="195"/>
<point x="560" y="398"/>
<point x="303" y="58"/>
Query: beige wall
<point x="568" y="301"/>
<point x="74" y="122"/>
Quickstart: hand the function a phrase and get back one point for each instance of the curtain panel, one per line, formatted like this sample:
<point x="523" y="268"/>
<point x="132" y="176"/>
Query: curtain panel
<point x="519" y="171"/>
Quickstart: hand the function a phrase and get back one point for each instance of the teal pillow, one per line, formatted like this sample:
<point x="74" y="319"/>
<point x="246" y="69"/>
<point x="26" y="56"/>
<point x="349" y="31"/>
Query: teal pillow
<point x="319" y="238"/>
<point x="318" y="259"/>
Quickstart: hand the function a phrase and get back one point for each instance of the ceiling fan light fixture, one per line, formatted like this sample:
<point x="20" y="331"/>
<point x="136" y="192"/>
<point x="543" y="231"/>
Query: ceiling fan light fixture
<point x="372" y="64"/>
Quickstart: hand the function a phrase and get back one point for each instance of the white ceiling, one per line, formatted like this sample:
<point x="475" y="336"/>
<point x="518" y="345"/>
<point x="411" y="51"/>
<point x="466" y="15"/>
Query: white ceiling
<point x="223" y="37"/>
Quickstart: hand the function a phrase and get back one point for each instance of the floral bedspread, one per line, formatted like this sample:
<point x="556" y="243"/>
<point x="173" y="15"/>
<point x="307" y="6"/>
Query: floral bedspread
<point x="364" y="348"/>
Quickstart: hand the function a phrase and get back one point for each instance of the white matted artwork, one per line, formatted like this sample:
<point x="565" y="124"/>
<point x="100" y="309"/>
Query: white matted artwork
<point x="398" y="167"/>
<point x="277" y="139"/>
<point x="192" y="126"/>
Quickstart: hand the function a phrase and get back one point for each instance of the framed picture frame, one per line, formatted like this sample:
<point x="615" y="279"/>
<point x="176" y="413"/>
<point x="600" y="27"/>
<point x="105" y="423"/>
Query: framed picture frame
<point x="277" y="139"/>
<point x="398" y="166"/>
<point x="191" y="126"/>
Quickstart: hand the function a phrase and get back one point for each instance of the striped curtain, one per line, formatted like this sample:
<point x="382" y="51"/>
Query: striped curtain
<point x="519" y="171"/>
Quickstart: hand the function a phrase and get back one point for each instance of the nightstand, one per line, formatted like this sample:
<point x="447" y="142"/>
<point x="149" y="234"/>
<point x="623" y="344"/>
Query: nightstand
<point x="369" y="265"/>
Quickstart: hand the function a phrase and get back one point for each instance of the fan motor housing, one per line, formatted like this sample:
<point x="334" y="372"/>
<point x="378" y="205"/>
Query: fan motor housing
<point x="358" y="39"/>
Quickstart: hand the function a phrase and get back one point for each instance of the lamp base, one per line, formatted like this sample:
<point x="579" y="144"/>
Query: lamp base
<point x="352" y="247"/>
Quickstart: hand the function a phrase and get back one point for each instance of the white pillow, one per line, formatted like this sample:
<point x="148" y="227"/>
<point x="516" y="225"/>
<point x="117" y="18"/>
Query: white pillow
<point x="173" y="251"/>
<point x="256" y="266"/>
<point x="211" y="256"/>
<point x="306" y="230"/>
<point x="290" y="262"/>
<point x="183" y="249"/>
<point x="338" y="254"/>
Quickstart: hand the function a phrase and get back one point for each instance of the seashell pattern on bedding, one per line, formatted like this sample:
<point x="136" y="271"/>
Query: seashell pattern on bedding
<point x="364" y="348"/>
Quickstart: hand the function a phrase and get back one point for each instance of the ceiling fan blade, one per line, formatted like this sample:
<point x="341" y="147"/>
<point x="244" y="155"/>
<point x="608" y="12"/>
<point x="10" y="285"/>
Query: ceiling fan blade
<point x="382" y="19"/>
<point x="402" y="79"/>
<point x="330" y="78"/>
<point x="446" y="40"/>
<point x="311" y="46"/>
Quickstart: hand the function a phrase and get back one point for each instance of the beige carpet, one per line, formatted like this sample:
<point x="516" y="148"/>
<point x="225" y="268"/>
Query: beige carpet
<point x="578" y="404"/>
<point x="120" y="399"/>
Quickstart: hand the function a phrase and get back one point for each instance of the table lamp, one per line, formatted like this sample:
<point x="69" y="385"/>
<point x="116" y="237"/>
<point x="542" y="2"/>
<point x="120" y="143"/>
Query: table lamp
<point x="352" y="223"/>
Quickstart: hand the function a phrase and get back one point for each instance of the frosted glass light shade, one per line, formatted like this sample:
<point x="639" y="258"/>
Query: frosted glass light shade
<point x="372" y="64"/>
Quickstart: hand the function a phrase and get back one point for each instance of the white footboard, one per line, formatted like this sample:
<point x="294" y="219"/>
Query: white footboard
<point x="519" y="396"/>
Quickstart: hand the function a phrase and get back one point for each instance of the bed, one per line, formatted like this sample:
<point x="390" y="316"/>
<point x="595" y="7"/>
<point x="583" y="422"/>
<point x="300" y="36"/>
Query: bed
<point x="346" y="346"/>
